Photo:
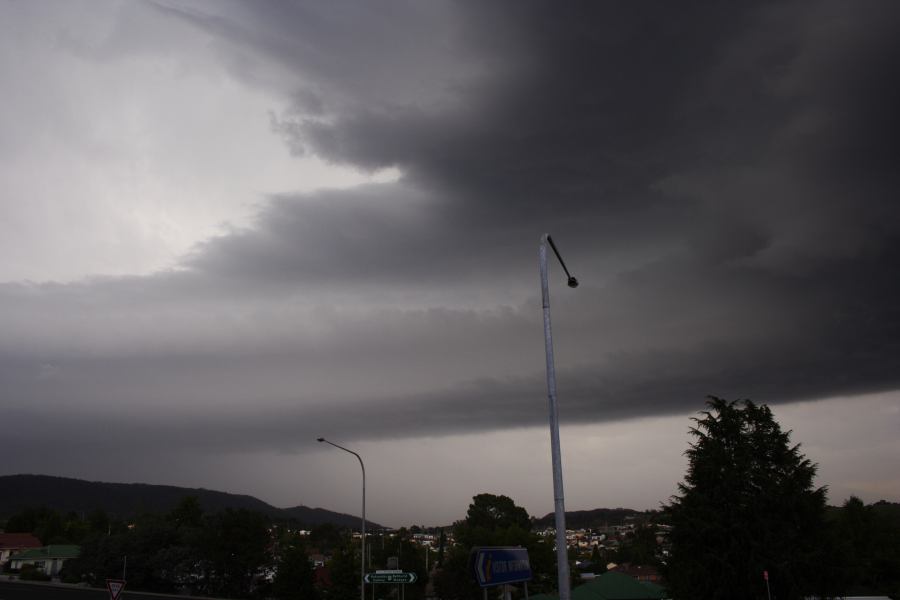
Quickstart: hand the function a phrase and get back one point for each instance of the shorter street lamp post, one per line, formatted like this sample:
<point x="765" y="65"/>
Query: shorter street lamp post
<point x="562" y="556"/>
<point x="362" y="557"/>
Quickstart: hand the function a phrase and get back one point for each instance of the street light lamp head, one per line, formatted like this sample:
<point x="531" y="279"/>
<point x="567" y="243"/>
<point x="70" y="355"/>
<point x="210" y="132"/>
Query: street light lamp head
<point x="320" y="439"/>
<point x="573" y="283"/>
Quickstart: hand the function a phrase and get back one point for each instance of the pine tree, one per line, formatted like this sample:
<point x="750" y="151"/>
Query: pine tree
<point x="747" y="506"/>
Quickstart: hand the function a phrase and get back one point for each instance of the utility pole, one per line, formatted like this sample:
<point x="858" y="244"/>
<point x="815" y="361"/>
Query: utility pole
<point x="562" y="555"/>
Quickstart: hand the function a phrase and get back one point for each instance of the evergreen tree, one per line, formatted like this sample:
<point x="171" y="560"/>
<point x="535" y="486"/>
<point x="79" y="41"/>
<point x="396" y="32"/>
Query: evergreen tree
<point x="344" y="573"/>
<point x="747" y="505"/>
<point x="639" y="547"/>
<point x="294" y="578"/>
<point x="235" y="547"/>
<point x="493" y="520"/>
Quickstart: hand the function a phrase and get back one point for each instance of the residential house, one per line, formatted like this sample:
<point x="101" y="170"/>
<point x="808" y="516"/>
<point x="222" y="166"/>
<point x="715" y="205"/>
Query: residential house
<point x="13" y="543"/>
<point x="49" y="559"/>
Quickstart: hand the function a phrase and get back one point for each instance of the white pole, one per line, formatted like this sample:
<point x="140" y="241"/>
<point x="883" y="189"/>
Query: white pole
<point x="562" y="556"/>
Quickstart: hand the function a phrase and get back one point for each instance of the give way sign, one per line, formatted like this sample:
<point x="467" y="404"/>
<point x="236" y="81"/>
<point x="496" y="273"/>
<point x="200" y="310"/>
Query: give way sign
<point x="115" y="587"/>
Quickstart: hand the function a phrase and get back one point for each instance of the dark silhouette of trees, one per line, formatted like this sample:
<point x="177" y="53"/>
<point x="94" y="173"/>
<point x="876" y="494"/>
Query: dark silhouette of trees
<point x="489" y="514"/>
<point x="326" y="537"/>
<point x="865" y="548"/>
<point x="294" y="575"/>
<point x="639" y="547"/>
<point x="747" y="505"/>
<point x="234" y="546"/>
<point x="184" y="550"/>
<point x="493" y="520"/>
<point x="344" y="573"/>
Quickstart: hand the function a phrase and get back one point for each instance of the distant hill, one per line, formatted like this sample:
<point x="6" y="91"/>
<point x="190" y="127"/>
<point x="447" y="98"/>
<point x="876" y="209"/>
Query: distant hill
<point x="127" y="499"/>
<point x="598" y="517"/>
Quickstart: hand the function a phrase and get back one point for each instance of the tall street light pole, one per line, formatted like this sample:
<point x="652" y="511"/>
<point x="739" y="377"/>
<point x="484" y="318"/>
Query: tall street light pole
<point x="562" y="557"/>
<point x="362" y="563"/>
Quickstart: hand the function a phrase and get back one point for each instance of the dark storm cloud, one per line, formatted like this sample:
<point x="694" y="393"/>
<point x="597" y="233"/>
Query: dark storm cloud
<point x="725" y="178"/>
<point x="767" y="121"/>
<point x="642" y="354"/>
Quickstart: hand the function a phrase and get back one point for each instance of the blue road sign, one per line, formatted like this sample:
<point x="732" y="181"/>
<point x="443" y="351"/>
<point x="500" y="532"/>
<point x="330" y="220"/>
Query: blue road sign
<point x="498" y="565"/>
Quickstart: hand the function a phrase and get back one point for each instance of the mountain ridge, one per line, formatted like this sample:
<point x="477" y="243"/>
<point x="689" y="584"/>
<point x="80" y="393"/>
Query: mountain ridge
<point x="597" y="517"/>
<point x="65" y="494"/>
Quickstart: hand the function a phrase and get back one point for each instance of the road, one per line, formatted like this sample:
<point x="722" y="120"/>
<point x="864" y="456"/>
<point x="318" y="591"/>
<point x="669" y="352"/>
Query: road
<point x="17" y="590"/>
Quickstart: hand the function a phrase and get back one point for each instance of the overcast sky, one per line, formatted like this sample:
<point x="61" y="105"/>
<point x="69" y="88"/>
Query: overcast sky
<point x="231" y="228"/>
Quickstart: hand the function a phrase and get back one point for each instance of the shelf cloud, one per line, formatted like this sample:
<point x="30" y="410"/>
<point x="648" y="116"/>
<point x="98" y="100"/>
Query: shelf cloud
<point x="721" y="179"/>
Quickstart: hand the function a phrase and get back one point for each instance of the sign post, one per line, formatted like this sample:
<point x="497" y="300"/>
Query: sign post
<point x="115" y="587"/>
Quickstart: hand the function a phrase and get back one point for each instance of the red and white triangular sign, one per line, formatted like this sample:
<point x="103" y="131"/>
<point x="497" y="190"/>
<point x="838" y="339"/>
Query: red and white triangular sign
<point x="115" y="587"/>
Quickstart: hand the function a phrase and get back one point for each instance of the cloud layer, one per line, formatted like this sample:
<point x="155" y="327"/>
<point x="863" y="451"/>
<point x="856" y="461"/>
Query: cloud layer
<point x="722" y="180"/>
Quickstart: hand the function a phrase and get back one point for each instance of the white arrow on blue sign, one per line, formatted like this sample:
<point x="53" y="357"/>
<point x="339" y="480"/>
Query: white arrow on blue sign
<point x="498" y="565"/>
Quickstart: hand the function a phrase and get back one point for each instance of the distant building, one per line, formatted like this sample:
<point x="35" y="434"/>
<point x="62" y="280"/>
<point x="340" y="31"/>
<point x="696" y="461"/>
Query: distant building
<point x="13" y="543"/>
<point x="48" y="559"/>
<point x="639" y="572"/>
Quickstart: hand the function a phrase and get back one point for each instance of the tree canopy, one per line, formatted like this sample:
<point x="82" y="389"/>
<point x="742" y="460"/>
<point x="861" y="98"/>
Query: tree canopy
<point x="864" y="552"/>
<point x="493" y="520"/>
<point x="747" y="506"/>
<point x="185" y="550"/>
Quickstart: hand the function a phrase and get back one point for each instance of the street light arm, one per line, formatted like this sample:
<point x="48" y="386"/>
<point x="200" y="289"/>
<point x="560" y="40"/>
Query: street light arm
<point x="362" y="556"/>
<point x="573" y="283"/>
<point x="358" y="457"/>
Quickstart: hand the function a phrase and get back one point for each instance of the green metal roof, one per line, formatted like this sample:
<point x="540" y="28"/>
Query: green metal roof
<point x="616" y="586"/>
<point x="612" y="586"/>
<point x="48" y="552"/>
<point x="655" y="588"/>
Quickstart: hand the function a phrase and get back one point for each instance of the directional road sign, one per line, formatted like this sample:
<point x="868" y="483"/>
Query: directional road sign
<point x="497" y="565"/>
<point x="391" y="577"/>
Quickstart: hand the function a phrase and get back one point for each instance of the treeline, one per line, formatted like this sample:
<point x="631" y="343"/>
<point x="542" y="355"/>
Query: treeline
<point x="857" y="549"/>
<point x="862" y="548"/>
<point x="232" y="553"/>
<point x="239" y="553"/>
<point x="186" y="551"/>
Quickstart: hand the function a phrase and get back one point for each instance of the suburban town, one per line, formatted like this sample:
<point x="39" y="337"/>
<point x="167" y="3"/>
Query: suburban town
<point x="190" y="551"/>
<point x="23" y="557"/>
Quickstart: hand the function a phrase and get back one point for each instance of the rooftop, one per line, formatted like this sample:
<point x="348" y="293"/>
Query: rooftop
<point x="46" y="552"/>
